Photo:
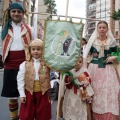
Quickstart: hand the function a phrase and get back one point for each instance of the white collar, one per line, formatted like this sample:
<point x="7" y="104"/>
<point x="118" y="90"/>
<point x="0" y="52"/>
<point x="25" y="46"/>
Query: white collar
<point x="36" y="60"/>
<point x="14" y="24"/>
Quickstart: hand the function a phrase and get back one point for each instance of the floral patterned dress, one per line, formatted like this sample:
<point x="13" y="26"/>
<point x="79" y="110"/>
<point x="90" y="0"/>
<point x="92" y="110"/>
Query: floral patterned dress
<point x="73" y="107"/>
<point x="104" y="82"/>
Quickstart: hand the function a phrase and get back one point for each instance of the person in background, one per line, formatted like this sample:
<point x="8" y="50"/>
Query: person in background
<point x="33" y="84"/>
<point x="54" y="82"/>
<point x="55" y="78"/>
<point x="104" y="79"/>
<point x="84" y="42"/>
<point x="16" y="35"/>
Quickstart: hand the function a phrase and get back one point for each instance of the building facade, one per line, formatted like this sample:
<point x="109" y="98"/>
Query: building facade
<point x="41" y="18"/>
<point x="90" y="13"/>
<point x="117" y="24"/>
<point x="104" y="9"/>
<point x="1" y="11"/>
<point x="28" y="6"/>
<point x="101" y="10"/>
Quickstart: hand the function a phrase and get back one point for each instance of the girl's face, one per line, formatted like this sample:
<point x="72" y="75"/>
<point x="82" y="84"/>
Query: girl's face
<point x="102" y="29"/>
<point x="36" y="52"/>
<point x="79" y="64"/>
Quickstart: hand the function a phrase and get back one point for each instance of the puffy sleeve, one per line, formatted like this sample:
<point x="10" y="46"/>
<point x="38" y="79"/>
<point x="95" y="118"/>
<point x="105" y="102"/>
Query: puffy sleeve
<point x="20" y="80"/>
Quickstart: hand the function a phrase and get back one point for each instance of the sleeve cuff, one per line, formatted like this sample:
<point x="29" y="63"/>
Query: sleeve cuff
<point x="22" y="94"/>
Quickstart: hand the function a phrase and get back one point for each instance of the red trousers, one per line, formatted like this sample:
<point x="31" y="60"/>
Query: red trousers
<point x="37" y="106"/>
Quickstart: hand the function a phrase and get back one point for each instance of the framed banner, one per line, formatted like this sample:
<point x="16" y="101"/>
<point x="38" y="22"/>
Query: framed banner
<point x="62" y="44"/>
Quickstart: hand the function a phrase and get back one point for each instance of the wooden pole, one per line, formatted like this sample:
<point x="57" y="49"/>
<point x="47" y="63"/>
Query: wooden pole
<point x="59" y="95"/>
<point x="67" y="16"/>
<point x="67" y="4"/>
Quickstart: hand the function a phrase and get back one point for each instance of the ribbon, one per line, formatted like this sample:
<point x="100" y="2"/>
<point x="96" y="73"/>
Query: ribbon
<point x="116" y="53"/>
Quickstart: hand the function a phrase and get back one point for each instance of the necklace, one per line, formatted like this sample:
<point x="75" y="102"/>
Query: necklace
<point x="102" y="39"/>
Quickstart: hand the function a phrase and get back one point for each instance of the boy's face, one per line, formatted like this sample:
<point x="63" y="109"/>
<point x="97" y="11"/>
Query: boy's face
<point x="79" y="64"/>
<point x="36" y="52"/>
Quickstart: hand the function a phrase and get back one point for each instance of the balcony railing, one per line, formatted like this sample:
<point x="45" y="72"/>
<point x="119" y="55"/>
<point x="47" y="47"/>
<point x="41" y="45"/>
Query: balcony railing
<point x="91" y="28"/>
<point x="90" y="22"/>
<point x="92" y="15"/>
<point x="92" y="9"/>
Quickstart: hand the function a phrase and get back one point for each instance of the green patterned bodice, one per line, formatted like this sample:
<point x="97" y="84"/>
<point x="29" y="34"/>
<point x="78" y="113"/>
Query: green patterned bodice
<point x="101" y="61"/>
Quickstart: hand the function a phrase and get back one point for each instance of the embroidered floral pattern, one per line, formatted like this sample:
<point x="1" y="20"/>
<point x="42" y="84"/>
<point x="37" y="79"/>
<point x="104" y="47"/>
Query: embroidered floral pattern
<point x="73" y="107"/>
<point x="106" y="87"/>
<point x="95" y="54"/>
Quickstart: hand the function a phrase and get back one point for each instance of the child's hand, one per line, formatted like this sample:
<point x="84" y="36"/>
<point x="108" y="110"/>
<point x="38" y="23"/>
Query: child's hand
<point x="86" y="83"/>
<point x="82" y="91"/>
<point x="89" y="77"/>
<point x="111" y="59"/>
<point x="23" y="99"/>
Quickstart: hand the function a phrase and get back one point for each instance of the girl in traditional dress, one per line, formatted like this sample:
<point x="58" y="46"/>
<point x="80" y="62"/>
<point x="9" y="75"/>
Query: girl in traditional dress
<point x="73" y="106"/>
<point x="33" y="84"/>
<point x="105" y="84"/>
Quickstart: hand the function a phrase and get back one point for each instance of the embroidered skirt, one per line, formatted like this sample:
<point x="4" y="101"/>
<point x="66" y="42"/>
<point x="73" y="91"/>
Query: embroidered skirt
<point x="106" y="87"/>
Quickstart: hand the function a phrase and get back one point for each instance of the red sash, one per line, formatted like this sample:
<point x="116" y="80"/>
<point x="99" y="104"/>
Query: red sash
<point x="14" y="59"/>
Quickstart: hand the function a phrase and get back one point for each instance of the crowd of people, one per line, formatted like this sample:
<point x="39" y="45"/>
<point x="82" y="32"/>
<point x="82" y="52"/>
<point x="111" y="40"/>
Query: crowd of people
<point x="91" y="88"/>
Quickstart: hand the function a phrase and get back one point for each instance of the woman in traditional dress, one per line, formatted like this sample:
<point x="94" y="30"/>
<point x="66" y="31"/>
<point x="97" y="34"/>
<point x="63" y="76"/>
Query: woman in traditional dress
<point x="105" y="83"/>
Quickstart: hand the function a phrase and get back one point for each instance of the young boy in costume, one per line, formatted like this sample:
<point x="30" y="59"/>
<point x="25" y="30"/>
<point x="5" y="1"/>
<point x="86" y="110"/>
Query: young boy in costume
<point x="33" y="84"/>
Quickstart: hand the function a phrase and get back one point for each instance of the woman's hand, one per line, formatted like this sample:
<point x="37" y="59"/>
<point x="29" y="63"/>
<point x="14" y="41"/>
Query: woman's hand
<point x="23" y="99"/>
<point x="111" y="59"/>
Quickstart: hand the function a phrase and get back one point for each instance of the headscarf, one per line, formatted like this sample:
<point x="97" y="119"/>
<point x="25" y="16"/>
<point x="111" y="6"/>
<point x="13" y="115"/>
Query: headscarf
<point x="6" y="17"/>
<point x="16" y="5"/>
<point x="35" y="42"/>
<point x="92" y="39"/>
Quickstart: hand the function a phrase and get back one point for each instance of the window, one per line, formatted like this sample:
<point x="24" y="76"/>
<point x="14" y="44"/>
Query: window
<point x="32" y="9"/>
<point x="116" y="32"/>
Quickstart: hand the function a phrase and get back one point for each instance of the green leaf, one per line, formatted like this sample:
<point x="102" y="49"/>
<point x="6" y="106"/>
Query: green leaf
<point x="50" y="6"/>
<point x="116" y="15"/>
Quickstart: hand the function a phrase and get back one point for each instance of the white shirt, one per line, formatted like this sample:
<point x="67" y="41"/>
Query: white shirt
<point x="84" y="48"/>
<point x="21" y="76"/>
<point x="17" y="43"/>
